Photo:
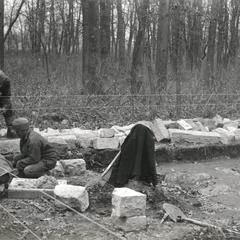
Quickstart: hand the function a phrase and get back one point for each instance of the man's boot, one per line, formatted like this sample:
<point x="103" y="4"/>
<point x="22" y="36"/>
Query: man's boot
<point x="11" y="133"/>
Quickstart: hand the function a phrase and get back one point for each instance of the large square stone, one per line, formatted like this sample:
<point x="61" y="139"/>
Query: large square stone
<point x="73" y="167"/>
<point x="71" y="196"/>
<point x="128" y="203"/>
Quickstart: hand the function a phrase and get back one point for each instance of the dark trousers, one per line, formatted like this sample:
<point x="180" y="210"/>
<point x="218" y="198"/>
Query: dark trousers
<point x="8" y="115"/>
<point x="35" y="170"/>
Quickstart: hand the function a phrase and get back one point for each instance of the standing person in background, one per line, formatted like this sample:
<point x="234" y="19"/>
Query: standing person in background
<point x="5" y="103"/>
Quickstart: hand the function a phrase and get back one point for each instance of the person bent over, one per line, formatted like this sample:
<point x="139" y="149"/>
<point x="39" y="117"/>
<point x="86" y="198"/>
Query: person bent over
<point x="37" y="155"/>
<point x="5" y="103"/>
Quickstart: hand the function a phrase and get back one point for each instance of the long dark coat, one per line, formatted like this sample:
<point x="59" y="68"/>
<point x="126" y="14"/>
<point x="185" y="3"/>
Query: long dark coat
<point x="136" y="159"/>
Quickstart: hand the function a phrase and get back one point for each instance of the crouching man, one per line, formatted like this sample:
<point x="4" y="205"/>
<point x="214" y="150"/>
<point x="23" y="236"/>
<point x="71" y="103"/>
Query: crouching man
<point x="37" y="155"/>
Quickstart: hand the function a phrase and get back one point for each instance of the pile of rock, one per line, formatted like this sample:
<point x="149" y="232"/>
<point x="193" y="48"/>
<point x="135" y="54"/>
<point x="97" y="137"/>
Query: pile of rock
<point x="191" y="131"/>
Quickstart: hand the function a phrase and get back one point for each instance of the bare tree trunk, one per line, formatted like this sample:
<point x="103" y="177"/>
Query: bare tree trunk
<point x="112" y="28"/>
<point x="121" y="34"/>
<point x="132" y="22"/>
<point x="53" y="32"/>
<point x="220" y="34"/>
<point x="137" y="51"/>
<point x="177" y="40"/>
<point x="234" y="28"/>
<point x="210" y="81"/>
<point x="2" y="34"/>
<point x="162" y="45"/>
<point x="92" y="82"/>
<point x="105" y="18"/>
<point x="85" y="41"/>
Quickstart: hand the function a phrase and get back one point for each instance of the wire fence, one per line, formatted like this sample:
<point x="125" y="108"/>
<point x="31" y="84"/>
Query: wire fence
<point x="126" y="108"/>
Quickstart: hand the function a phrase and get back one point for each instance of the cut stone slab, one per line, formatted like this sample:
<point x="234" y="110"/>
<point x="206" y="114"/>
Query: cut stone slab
<point x="128" y="203"/>
<point x="194" y="137"/>
<point x="160" y="131"/>
<point x="106" y="133"/>
<point x="196" y="125"/>
<point x="24" y="193"/>
<point x="85" y="137"/>
<point x="9" y="146"/>
<point x="231" y="124"/>
<point x="170" y="124"/>
<point x="209" y="123"/>
<point x="227" y="137"/>
<point x="50" y="132"/>
<point x="106" y="143"/>
<point x="69" y="139"/>
<point x="73" y="167"/>
<point x="130" y="224"/>
<point x="124" y="129"/>
<point x="44" y="182"/>
<point x="74" y="196"/>
<point x="184" y="125"/>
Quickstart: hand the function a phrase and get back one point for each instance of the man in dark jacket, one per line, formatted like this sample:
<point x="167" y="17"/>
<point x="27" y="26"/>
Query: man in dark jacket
<point x="5" y="103"/>
<point x="37" y="155"/>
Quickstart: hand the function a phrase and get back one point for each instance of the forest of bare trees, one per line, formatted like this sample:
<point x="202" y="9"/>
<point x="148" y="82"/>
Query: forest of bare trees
<point x="128" y="46"/>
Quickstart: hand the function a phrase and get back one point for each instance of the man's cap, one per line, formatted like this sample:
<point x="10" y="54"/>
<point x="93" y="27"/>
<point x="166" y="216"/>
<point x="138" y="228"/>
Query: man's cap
<point x="20" y="123"/>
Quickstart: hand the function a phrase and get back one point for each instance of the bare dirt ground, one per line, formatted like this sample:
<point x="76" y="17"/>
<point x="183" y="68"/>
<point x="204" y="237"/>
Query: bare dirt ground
<point x="207" y="191"/>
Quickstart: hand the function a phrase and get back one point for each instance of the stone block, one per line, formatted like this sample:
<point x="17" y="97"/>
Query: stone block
<point x="130" y="224"/>
<point x="160" y="131"/>
<point x="210" y="124"/>
<point x="226" y="136"/>
<point x="87" y="133"/>
<point x="69" y="139"/>
<point x="106" y="133"/>
<point x="73" y="196"/>
<point x="50" y="132"/>
<point x="123" y="129"/>
<point x="230" y="124"/>
<point x="194" y="137"/>
<point x="106" y="143"/>
<point x="44" y="182"/>
<point x="85" y="137"/>
<point x="73" y="167"/>
<point x="171" y="124"/>
<point x="184" y="125"/>
<point x="128" y="203"/>
<point x="9" y="146"/>
<point x="24" y="193"/>
<point x="196" y="125"/>
<point x="85" y="142"/>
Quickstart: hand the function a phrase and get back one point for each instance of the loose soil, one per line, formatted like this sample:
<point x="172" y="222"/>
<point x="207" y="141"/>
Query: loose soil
<point x="44" y="220"/>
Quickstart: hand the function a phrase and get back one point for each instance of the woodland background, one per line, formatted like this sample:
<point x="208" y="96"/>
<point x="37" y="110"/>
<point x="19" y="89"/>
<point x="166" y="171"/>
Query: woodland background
<point x="100" y="62"/>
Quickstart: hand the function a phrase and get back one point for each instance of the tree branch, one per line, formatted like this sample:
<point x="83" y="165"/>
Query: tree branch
<point x="14" y="20"/>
